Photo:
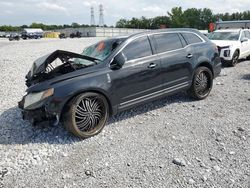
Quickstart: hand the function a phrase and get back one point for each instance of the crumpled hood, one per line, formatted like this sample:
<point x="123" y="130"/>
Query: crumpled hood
<point x="40" y="65"/>
<point x="223" y="43"/>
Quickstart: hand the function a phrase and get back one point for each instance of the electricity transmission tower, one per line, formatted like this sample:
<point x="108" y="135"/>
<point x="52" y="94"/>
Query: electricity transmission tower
<point x="92" y="20"/>
<point x="101" y="16"/>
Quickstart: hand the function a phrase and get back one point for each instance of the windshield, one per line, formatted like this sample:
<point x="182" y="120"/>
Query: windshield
<point x="100" y="50"/>
<point x="224" y="36"/>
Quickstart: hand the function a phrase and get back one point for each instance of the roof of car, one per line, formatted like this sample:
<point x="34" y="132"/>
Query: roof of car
<point x="228" y="30"/>
<point x="165" y="30"/>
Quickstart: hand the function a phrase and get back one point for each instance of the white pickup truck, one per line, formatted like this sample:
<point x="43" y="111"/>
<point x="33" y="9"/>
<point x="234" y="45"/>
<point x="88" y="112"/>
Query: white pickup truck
<point x="233" y="44"/>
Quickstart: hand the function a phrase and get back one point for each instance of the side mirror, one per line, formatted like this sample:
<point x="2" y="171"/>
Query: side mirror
<point x="118" y="61"/>
<point x="244" y="39"/>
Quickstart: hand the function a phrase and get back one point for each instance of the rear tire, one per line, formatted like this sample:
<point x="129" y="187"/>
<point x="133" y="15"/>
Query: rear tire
<point x="87" y="114"/>
<point x="235" y="59"/>
<point x="202" y="83"/>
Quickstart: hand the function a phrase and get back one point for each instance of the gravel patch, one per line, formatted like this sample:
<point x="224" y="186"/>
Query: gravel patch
<point x="172" y="142"/>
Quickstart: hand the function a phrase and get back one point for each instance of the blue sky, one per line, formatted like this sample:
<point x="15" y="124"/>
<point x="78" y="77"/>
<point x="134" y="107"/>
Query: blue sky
<point x="19" y="12"/>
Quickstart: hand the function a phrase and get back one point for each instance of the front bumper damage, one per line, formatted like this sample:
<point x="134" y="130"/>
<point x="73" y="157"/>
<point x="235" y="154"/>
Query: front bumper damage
<point x="39" y="116"/>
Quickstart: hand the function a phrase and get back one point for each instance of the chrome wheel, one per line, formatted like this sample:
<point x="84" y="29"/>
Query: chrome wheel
<point x="201" y="83"/>
<point x="88" y="113"/>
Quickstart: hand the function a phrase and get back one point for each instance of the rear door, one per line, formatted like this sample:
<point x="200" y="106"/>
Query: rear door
<point x="176" y="61"/>
<point x="140" y="76"/>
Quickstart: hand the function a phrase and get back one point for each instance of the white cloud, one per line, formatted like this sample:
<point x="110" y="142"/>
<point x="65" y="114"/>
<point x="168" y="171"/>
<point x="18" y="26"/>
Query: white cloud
<point x="90" y="3"/>
<point x="51" y="6"/>
<point x="153" y="8"/>
<point x="5" y="3"/>
<point x="58" y="11"/>
<point x="8" y="12"/>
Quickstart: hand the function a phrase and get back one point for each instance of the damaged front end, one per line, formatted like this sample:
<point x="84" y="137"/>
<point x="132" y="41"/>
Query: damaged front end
<point x="40" y="104"/>
<point x="55" y="64"/>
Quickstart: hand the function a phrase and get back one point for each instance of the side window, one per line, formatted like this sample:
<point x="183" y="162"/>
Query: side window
<point x="184" y="43"/>
<point x="167" y="42"/>
<point x="137" y="49"/>
<point x="242" y="35"/>
<point x="191" y="38"/>
<point x="247" y="34"/>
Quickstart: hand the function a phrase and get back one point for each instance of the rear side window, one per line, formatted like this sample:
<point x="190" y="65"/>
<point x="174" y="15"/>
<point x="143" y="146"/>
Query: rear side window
<point x="138" y="48"/>
<point x="167" y="42"/>
<point x="191" y="38"/>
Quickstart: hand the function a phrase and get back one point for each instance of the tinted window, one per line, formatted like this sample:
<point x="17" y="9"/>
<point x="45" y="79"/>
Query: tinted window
<point x="138" y="48"/>
<point x="167" y="41"/>
<point x="191" y="38"/>
<point x="184" y="43"/>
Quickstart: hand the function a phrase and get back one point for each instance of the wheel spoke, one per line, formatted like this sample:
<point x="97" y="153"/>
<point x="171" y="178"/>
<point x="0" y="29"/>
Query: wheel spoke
<point x="201" y="83"/>
<point x="88" y="113"/>
<point x="81" y="113"/>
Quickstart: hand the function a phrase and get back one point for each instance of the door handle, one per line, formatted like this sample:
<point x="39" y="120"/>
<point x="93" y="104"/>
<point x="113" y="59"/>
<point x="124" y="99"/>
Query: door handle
<point x="152" y="65"/>
<point x="189" y="56"/>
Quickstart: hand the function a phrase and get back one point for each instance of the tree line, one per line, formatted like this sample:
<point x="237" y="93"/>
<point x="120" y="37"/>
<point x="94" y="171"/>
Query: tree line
<point x="192" y="17"/>
<point x="177" y="17"/>
<point x="9" y="28"/>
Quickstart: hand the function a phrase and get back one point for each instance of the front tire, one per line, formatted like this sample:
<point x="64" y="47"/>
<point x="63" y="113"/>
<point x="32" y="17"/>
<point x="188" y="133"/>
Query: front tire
<point x="87" y="114"/>
<point x="235" y="59"/>
<point x="202" y="83"/>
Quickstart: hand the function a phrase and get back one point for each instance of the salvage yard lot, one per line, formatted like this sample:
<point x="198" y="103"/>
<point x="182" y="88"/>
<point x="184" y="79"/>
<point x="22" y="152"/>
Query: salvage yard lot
<point x="208" y="139"/>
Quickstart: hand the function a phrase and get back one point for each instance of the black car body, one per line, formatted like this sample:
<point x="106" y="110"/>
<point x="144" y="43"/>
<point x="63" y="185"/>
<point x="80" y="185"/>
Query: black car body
<point x="14" y="36"/>
<point x="62" y="36"/>
<point x="76" y="35"/>
<point x="136" y="69"/>
<point x="26" y="36"/>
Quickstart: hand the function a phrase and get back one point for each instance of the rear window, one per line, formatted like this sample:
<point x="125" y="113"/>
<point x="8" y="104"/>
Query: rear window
<point x="137" y="49"/>
<point x="167" y="42"/>
<point x="191" y="38"/>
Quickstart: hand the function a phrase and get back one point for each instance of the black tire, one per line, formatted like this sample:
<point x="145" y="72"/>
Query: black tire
<point x="235" y="59"/>
<point x="86" y="114"/>
<point x="202" y="83"/>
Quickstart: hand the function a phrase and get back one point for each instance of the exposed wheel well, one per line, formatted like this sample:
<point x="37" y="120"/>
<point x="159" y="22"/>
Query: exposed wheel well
<point x="94" y="91"/>
<point x="208" y="65"/>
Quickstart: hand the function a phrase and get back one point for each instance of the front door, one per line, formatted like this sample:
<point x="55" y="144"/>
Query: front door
<point x="139" y="77"/>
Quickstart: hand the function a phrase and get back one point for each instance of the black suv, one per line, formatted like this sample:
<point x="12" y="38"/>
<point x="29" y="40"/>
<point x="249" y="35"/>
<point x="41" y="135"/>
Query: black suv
<point x="117" y="74"/>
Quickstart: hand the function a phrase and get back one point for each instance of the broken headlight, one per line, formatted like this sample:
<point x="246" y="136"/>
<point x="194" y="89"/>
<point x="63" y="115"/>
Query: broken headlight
<point x="33" y="98"/>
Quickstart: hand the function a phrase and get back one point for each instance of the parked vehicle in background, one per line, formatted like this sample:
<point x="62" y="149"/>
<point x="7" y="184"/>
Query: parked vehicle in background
<point x="7" y="35"/>
<point x="31" y="33"/>
<point x="62" y="36"/>
<point x="76" y="35"/>
<point x="204" y="32"/>
<point x="14" y="36"/>
<point x="116" y="74"/>
<point x="31" y="36"/>
<point x="2" y="34"/>
<point x="233" y="44"/>
<point x="239" y="24"/>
